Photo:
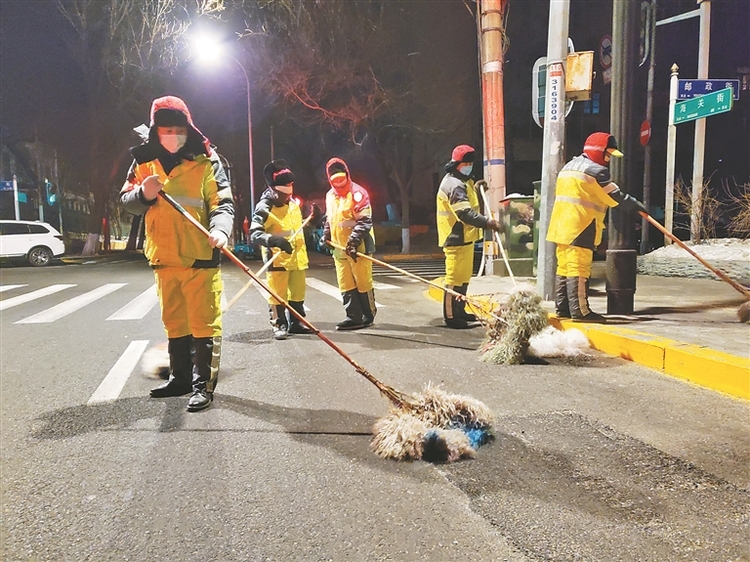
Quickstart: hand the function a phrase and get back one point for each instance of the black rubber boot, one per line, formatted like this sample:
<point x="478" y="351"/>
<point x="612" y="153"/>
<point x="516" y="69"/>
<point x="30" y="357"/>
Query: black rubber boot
<point x="277" y="312"/>
<point x="180" y="369"/>
<point x="464" y="289"/>
<point x="205" y="372"/>
<point x="353" y="308"/>
<point x="562" y="309"/>
<point x="578" y="301"/>
<point x="369" y="309"/>
<point x="295" y="326"/>
<point x="451" y="312"/>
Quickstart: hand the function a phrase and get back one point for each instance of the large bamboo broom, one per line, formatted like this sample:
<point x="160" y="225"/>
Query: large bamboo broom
<point x="509" y="325"/>
<point x="744" y="311"/>
<point x="432" y="425"/>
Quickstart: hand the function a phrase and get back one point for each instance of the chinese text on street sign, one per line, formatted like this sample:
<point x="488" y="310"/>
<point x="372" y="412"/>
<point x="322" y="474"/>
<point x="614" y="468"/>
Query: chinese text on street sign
<point x="703" y="106"/>
<point x="687" y="89"/>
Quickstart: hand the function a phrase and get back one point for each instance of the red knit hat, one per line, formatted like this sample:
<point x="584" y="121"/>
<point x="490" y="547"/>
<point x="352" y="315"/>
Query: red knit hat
<point x="463" y="153"/>
<point x="599" y="144"/>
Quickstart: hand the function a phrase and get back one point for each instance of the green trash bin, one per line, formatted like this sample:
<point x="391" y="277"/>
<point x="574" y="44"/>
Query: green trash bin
<point x="518" y="219"/>
<point x="537" y="204"/>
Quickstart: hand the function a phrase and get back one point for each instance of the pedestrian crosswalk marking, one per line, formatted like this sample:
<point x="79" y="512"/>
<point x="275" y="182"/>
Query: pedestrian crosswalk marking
<point x="384" y="286"/>
<point x="330" y="290"/>
<point x="71" y="305"/>
<point x="4" y="288"/>
<point x="112" y="385"/>
<point x="33" y="295"/>
<point x="138" y="307"/>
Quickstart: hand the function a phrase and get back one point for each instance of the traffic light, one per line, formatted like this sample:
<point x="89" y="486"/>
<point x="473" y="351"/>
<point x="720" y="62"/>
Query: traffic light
<point x="51" y="192"/>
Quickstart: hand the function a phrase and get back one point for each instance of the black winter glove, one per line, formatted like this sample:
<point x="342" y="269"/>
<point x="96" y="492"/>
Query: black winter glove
<point x="640" y="206"/>
<point x="492" y="224"/>
<point x="631" y="204"/>
<point x="351" y="248"/>
<point x="281" y="243"/>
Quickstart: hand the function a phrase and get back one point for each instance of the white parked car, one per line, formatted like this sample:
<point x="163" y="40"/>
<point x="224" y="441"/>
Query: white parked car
<point x="37" y="242"/>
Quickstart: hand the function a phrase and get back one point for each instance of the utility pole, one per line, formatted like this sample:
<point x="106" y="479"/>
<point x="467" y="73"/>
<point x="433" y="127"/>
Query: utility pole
<point x="651" y="31"/>
<point x="553" y="144"/>
<point x="621" y="260"/>
<point x="704" y="36"/>
<point x="492" y="39"/>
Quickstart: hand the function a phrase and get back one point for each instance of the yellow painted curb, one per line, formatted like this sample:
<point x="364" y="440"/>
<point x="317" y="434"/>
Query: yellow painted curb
<point x="706" y="367"/>
<point x="700" y="365"/>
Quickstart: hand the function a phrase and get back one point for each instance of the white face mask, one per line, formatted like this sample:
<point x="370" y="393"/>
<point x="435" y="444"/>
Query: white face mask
<point x="466" y="169"/>
<point x="171" y="142"/>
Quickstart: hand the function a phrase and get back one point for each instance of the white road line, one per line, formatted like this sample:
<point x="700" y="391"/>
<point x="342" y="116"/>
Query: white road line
<point x="71" y="305"/>
<point x="115" y="380"/>
<point x="33" y="295"/>
<point x="138" y="307"/>
<point x="4" y="288"/>
<point x="384" y="286"/>
<point x="223" y="301"/>
<point x="330" y="290"/>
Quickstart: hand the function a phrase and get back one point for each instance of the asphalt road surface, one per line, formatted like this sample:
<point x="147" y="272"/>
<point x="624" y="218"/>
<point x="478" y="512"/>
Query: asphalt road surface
<point x="597" y="459"/>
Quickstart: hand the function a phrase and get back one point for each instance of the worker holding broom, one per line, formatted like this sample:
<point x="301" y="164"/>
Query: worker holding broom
<point x="583" y="193"/>
<point x="277" y="223"/>
<point x="349" y="224"/>
<point x="178" y="159"/>
<point x="459" y="225"/>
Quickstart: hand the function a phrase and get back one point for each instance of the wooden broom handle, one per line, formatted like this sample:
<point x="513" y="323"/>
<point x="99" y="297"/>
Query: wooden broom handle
<point x="684" y="246"/>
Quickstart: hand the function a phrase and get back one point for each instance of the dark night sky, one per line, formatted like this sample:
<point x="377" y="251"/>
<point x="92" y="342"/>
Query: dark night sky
<point x="39" y="87"/>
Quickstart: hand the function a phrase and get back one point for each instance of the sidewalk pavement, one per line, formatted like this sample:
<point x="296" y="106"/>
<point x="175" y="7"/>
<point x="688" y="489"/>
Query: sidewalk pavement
<point x="684" y="327"/>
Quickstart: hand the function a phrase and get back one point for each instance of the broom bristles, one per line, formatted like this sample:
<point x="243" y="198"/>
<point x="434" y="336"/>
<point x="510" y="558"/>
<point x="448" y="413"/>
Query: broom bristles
<point x="436" y="426"/>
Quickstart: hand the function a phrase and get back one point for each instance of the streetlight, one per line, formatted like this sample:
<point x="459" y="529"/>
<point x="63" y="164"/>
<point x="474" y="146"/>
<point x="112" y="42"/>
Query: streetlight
<point x="210" y="49"/>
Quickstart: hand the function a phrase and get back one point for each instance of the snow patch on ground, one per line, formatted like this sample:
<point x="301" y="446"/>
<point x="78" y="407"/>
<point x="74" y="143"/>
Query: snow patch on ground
<point x="731" y="255"/>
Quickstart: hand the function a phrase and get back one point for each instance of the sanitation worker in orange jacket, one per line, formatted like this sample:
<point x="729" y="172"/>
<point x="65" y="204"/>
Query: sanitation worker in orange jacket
<point x="459" y="225"/>
<point x="277" y="217"/>
<point x="583" y="193"/>
<point x="349" y="224"/>
<point x="178" y="159"/>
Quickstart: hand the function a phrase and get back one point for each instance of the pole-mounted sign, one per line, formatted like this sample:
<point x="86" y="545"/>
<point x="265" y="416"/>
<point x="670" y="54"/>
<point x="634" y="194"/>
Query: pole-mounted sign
<point x="687" y="89"/>
<point x="703" y="106"/>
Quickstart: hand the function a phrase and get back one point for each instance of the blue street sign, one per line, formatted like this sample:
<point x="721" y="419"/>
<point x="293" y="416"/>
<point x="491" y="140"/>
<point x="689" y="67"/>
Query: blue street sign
<point x="6" y="186"/>
<point x="687" y="89"/>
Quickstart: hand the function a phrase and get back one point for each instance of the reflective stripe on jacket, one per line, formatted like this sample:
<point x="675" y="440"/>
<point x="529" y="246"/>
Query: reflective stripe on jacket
<point x="285" y="221"/>
<point x="346" y="213"/>
<point x="170" y="240"/>
<point x="582" y="197"/>
<point x="453" y="196"/>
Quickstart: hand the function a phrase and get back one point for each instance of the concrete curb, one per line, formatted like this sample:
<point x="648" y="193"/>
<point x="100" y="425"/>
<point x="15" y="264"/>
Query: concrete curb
<point x="700" y="365"/>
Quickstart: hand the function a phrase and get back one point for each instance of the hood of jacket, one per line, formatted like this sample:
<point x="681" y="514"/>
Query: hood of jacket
<point x="334" y="165"/>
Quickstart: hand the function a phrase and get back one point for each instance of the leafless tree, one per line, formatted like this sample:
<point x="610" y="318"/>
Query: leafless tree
<point x="356" y="68"/>
<point x="739" y="223"/>
<point x="120" y="47"/>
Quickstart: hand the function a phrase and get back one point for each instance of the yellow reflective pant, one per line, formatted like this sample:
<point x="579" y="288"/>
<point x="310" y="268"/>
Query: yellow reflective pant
<point x="190" y="301"/>
<point x="459" y="264"/>
<point x="289" y="285"/>
<point x="352" y="274"/>
<point x="574" y="261"/>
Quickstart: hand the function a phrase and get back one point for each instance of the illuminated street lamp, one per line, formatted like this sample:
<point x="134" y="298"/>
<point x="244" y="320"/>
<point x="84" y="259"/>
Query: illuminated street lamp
<point x="209" y="49"/>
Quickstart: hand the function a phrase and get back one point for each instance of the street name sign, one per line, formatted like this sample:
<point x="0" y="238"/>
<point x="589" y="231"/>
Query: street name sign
<point x="703" y="106"/>
<point x="6" y="186"/>
<point x="687" y="89"/>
